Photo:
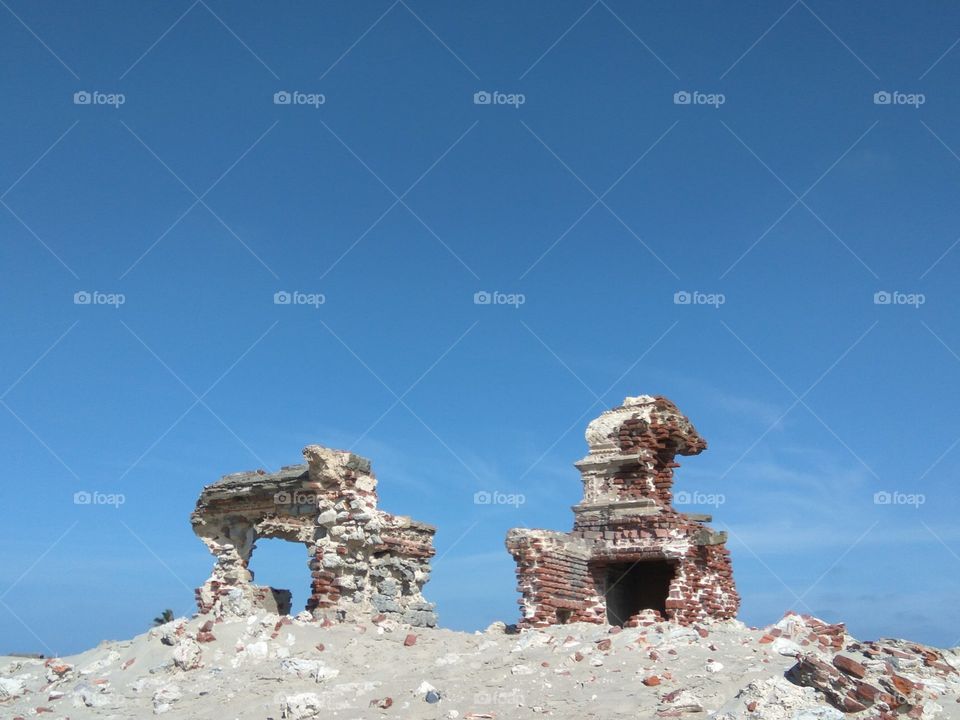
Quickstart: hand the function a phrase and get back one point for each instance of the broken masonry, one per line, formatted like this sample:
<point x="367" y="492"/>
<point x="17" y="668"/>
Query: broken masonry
<point x="362" y="560"/>
<point x="631" y="555"/>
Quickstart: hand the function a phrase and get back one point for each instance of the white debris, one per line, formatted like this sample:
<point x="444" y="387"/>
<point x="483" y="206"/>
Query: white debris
<point x="424" y="688"/>
<point x="685" y="701"/>
<point x="786" y="647"/>
<point x="164" y="697"/>
<point x="11" y="688"/>
<point x="775" y="698"/>
<point x="530" y="639"/>
<point x="312" y="669"/>
<point x="100" y="664"/>
<point x="301" y="705"/>
<point x="684" y="633"/>
<point x="820" y="712"/>
<point x="187" y="655"/>
<point x="86" y="695"/>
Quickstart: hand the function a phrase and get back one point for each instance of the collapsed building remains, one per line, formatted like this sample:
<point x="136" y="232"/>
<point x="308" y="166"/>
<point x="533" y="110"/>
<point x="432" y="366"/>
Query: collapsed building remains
<point x="362" y="560"/>
<point x="631" y="554"/>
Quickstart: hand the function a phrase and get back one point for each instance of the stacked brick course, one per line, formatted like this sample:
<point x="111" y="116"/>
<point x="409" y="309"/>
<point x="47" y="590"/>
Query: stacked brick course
<point x="630" y="552"/>
<point x="362" y="560"/>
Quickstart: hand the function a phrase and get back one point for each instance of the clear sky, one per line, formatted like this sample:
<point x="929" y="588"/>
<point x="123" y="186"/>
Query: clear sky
<point x="180" y="197"/>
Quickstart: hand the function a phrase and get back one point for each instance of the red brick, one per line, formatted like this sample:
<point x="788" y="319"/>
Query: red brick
<point x="849" y="666"/>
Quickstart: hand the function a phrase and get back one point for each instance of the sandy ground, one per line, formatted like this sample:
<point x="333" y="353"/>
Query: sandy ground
<point x="267" y="667"/>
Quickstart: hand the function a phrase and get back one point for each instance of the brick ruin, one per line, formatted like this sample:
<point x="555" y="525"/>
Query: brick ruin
<point x="631" y="555"/>
<point x="362" y="560"/>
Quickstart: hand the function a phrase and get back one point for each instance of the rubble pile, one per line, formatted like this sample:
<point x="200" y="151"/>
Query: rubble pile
<point x="301" y="668"/>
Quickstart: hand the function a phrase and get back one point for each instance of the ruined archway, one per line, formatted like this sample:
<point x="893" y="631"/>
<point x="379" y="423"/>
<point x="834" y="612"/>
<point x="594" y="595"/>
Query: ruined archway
<point x="362" y="560"/>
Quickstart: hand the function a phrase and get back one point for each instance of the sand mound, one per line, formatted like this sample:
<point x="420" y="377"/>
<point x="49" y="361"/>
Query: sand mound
<point x="266" y="666"/>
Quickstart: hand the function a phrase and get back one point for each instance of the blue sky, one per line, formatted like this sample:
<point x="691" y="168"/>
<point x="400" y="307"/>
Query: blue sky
<point x="784" y="190"/>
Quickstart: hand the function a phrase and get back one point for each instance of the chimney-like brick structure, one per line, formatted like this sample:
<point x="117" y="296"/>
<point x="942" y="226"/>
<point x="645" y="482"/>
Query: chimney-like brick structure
<point x="362" y="560"/>
<point x="631" y="553"/>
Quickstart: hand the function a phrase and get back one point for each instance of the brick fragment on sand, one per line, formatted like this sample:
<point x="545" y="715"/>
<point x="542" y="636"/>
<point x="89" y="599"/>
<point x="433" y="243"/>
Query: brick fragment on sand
<point x="651" y="681"/>
<point x="902" y="684"/>
<point x="868" y="692"/>
<point x="849" y="666"/>
<point x="409" y="640"/>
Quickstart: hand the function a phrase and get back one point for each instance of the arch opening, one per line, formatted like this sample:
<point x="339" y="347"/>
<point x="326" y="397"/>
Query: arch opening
<point x="632" y="587"/>
<point x="284" y="566"/>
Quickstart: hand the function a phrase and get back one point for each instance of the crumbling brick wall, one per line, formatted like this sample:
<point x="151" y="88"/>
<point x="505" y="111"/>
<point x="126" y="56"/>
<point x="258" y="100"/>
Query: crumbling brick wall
<point x="362" y="560"/>
<point x="624" y="521"/>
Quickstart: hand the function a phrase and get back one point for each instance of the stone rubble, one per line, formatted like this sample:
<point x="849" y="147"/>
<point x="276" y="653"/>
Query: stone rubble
<point x="887" y="678"/>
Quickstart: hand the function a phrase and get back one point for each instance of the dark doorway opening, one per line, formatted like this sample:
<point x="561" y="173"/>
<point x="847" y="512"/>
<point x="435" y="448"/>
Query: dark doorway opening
<point x="636" y="586"/>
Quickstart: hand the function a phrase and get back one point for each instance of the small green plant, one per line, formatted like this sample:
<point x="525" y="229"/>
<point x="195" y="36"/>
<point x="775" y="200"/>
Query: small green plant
<point x="165" y="617"/>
